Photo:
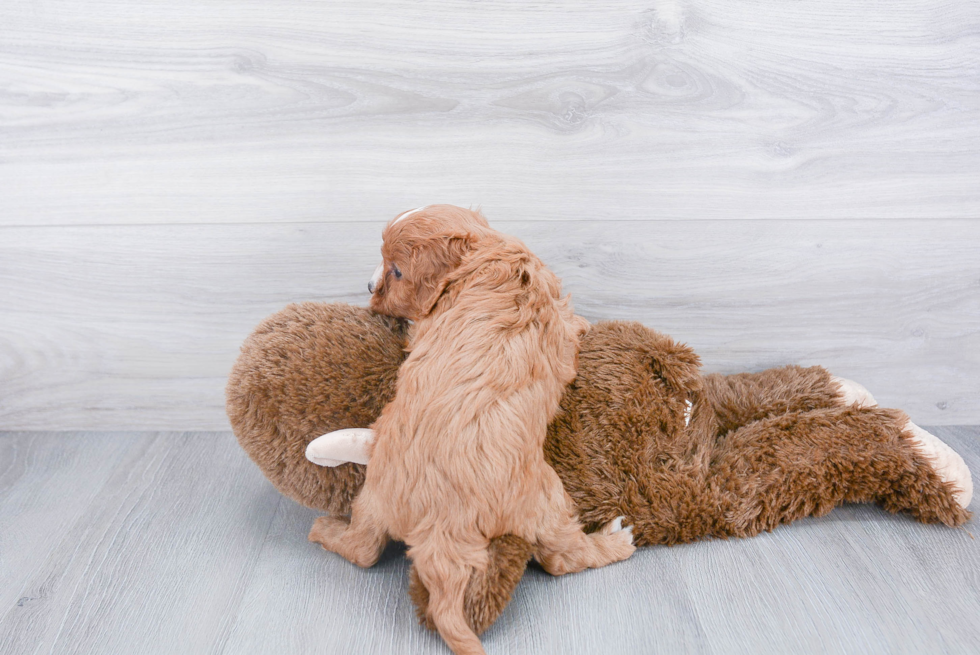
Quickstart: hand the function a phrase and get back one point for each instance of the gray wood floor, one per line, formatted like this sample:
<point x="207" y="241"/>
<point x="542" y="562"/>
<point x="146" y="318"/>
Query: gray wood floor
<point x="136" y="542"/>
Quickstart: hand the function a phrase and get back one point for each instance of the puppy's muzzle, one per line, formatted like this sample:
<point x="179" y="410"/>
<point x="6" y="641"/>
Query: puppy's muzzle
<point x="376" y="278"/>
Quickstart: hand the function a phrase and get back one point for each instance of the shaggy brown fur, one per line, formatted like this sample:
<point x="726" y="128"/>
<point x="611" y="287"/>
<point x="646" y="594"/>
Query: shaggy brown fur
<point x="458" y="457"/>
<point x="761" y="449"/>
<point x="309" y="369"/>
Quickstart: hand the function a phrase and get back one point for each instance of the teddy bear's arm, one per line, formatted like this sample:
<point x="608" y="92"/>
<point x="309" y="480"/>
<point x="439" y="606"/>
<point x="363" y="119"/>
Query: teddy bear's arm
<point x="341" y="446"/>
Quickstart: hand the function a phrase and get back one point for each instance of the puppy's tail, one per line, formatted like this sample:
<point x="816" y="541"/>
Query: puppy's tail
<point x="488" y="591"/>
<point x="445" y="573"/>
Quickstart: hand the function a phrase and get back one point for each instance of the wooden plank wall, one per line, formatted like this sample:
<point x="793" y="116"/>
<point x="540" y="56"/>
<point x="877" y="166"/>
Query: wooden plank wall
<point x="771" y="182"/>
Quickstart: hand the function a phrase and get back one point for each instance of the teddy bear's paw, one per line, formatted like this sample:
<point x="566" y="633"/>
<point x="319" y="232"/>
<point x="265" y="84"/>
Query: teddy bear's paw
<point x="853" y="393"/>
<point x="947" y="463"/>
<point x="340" y="447"/>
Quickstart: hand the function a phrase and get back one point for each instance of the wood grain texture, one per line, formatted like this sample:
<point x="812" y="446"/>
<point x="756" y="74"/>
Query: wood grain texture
<point x="164" y="543"/>
<point x="136" y="327"/>
<point x="162" y="546"/>
<point x="216" y="112"/>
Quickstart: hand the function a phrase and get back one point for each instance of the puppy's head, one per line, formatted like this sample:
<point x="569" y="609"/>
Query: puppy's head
<point x="421" y="248"/>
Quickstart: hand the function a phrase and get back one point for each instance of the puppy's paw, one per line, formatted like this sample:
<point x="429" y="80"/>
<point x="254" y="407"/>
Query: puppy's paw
<point x="617" y="540"/>
<point x="356" y="546"/>
<point x="616" y="525"/>
<point x="327" y="531"/>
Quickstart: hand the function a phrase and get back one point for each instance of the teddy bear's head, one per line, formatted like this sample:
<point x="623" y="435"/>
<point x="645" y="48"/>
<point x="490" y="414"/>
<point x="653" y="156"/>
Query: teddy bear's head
<point x="310" y="369"/>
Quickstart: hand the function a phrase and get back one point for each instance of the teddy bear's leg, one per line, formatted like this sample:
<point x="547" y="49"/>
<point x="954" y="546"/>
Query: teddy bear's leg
<point x="444" y="572"/>
<point x="488" y="591"/>
<point x="742" y="398"/>
<point x="944" y="460"/>
<point x="782" y="468"/>
<point x="361" y="541"/>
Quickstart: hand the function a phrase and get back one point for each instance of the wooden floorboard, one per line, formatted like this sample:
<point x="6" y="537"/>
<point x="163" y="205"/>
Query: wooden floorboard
<point x="174" y="542"/>
<point x="164" y="545"/>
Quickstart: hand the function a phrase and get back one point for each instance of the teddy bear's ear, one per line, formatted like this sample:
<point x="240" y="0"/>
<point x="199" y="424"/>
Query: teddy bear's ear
<point x="677" y="364"/>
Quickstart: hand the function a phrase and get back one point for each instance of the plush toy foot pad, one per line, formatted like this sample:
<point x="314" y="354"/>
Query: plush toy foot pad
<point x="947" y="462"/>
<point x="853" y="393"/>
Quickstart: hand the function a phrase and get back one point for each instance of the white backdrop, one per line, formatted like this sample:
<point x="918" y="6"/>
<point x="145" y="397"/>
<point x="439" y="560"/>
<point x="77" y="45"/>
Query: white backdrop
<point x="770" y="182"/>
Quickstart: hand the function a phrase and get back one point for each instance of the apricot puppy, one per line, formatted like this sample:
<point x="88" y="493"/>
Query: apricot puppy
<point x="458" y="455"/>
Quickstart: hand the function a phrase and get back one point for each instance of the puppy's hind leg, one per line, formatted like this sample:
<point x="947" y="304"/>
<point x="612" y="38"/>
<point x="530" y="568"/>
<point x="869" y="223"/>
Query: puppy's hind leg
<point x="563" y="547"/>
<point x="359" y="542"/>
<point x="445" y="576"/>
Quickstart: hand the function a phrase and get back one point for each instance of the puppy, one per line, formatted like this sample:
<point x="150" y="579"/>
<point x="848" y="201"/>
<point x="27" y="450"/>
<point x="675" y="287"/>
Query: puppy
<point x="457" y="457"/>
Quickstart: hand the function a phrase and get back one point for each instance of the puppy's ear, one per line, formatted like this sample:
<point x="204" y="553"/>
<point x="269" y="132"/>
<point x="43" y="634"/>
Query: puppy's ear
<point x="480" y="218"/>
<point x="435" y="263"/>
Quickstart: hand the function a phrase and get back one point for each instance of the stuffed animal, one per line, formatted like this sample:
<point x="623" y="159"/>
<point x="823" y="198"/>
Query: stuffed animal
<point x="641" y="433"/>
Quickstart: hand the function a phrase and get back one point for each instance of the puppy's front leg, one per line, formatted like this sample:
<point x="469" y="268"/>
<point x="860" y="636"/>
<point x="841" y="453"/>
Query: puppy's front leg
<point x="359" y="542"/>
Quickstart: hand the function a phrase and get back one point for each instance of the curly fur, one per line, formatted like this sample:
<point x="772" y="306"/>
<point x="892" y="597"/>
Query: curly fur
<point x="458" y="457"/>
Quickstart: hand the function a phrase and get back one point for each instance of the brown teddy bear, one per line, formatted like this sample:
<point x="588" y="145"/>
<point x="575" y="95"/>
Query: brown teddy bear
<point x="641" y="433"/>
